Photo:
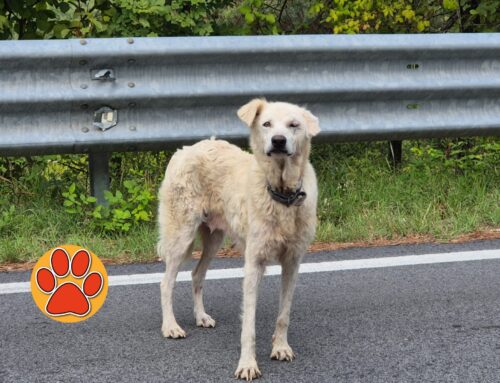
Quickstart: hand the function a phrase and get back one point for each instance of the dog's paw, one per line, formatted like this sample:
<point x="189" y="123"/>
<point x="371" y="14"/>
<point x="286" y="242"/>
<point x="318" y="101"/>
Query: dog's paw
<point x="205" y="320"/>
<point x="282" y="352"/>
<point x="247" y="370"/>
<point x="173" y="331"/>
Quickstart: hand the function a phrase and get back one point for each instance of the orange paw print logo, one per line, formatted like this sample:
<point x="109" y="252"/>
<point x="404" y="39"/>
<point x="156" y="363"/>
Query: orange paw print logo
<point x="69" y="284"/>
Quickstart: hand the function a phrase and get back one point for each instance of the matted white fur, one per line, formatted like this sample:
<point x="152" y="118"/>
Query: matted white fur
<point x="216" y="189"/>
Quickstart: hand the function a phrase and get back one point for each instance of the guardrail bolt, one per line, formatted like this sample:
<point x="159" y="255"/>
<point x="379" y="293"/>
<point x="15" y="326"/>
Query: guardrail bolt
<point x="83" y="62"/>
<point x="130" y="40"/>
<point x="105" y="118"/>
<point x="131" y="84"/>
<point x="132" y="105"/>
<point x="84" y="86"/>
<point x="85" y="129"/>
<point x="83" y="42"/>
<point x="131" y="61"/>
<point x="133" y="128"/>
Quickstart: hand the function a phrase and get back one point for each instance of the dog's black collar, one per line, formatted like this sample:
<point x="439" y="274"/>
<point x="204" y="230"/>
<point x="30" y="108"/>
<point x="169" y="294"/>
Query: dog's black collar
<point x="288" y="199"/>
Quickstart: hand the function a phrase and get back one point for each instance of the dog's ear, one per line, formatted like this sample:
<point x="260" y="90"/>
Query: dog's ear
<point x="248" y="112"/>
<point x="312" y="123"/>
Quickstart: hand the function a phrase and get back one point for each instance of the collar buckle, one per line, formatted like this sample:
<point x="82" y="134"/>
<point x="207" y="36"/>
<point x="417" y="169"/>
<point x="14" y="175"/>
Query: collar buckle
<point x="295" y="198"/>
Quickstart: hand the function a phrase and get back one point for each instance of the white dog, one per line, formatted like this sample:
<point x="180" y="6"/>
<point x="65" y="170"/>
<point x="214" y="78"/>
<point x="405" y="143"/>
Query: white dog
<point x="266" y="203"/>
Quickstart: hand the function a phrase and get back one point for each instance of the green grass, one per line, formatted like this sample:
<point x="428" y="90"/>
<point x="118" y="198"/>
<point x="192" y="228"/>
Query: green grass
<point x="361" y="198"/>
<point x="370" y="201"/>
<point x="39" y="226"/>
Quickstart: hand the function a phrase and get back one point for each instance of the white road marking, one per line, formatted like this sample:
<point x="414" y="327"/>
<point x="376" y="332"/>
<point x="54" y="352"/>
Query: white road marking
<point x="312" y="267"/>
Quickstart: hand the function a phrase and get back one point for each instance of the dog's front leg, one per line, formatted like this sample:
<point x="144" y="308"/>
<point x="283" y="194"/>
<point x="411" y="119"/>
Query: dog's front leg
<point x="289" y="270"/>
<point x="247" y="366"/>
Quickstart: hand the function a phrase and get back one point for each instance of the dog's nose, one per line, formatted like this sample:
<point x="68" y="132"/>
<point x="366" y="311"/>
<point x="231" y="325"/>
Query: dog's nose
<point x="278" y="141"/>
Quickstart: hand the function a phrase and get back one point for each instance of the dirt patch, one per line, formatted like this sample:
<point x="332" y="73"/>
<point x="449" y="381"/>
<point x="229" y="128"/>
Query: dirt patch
<point x="17" y="266"/>
<point x="315" y="247"/>
<point x="410" y="240"/>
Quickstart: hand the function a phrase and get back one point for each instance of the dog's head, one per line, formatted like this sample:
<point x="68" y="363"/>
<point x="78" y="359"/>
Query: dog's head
<point x="278" y="129"/>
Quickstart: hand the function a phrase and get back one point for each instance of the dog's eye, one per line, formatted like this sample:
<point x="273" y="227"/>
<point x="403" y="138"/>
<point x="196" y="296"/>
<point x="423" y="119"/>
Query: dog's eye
<point x="294" y="124"/>
<point x="267" y="124"/>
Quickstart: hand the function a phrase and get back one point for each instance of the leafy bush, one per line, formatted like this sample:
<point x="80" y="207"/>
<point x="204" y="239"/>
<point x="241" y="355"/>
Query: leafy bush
<point x="35" y="19"/>
<point x="369" y="16"/>
<point x="123" y="211"/>
<point x="457" y="154"/>
<point x="77" y="202"/>
<point x="165" y="18"/>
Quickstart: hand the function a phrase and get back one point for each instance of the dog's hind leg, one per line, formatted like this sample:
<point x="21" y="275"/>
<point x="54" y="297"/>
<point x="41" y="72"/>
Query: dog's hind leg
<point x="211" y="243"/>
<point x="174" y="250"/>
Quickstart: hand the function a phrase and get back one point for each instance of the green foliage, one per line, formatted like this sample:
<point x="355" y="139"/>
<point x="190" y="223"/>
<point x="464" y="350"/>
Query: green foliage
<point x="451" y="5"/>
<point x="40" y="175"/>
<point x="124" y="210"/>
<point x="6" y="215"/>
<point x="378" y="16"/>
<point x="278" y="16"/>
<point x="161" y="18"/>
<point x="484" y="17"/>
<point x="63" y="179"/>
<point x="369" y="16"/>
<point x="459" y="155"/>
<point x="435" y="192"/>
<point x="36" y="19"/>
<point x="337" y="16"/>
<point x="256" y="16"/>
<point x="77" y="202"/>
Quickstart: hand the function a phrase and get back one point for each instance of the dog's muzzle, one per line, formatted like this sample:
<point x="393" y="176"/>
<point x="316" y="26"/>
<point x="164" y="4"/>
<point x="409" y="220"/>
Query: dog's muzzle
<point x="278" y="143"/>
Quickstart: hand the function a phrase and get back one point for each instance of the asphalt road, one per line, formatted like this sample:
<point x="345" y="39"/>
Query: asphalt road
<point x="421" y="323"/>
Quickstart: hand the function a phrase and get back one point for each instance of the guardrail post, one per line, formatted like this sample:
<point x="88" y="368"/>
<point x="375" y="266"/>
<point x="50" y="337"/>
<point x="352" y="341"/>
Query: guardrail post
<point x="99" y="175"/>
<point x="395" y="152"/>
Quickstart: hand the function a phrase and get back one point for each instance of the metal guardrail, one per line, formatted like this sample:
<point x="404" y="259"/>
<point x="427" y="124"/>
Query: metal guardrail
<point x="101" y="95"/>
